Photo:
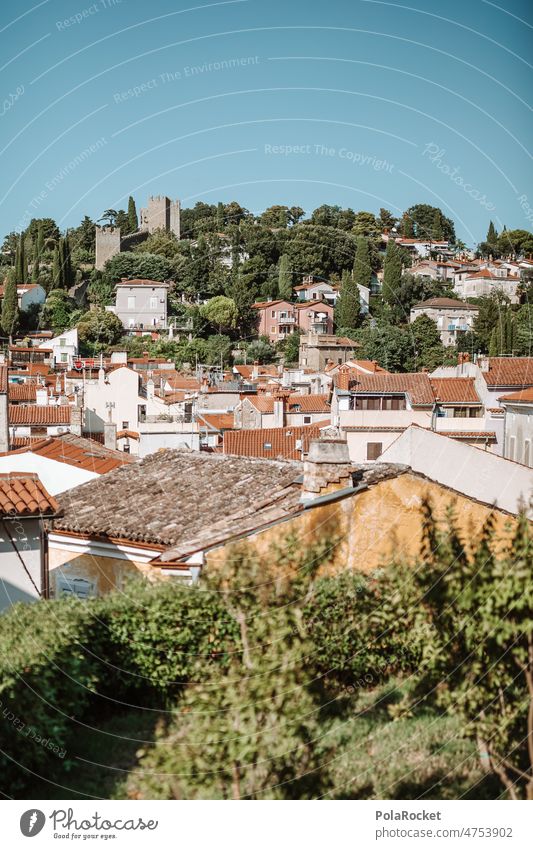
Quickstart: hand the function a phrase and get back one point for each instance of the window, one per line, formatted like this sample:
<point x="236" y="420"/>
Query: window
<point x="512" y="444"/>
<point x="64" y="358"/>
<point x="373" y="450"/>
<point x="62" y="343"/>
<point x="125" y="425"/>
<point x="527" y="447"/>
<point x="307" y="419"/>
<point x="126" y="448"/>
<point x="273" y="313"/>
<point x="273" y="328"/>
<point x="153" y="303"/>
<point x="267" y="446"/>
<point x="75" y="586"/>
<point x="131" y="302"/>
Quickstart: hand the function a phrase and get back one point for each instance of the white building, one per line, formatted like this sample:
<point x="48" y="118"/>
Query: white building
<point x="64" y="348"/>
<point x="518" y="427"/>
<point x="452" y="317"/>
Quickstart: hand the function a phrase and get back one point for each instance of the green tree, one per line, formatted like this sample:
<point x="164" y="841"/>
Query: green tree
<point x="389" y="345"/>
<point x="98" y="330"/>
<point x="21" y="266"/>
<point x="428" y="351"/>
<point x="275" y="216"/>
<point x="133" y="221"/>
<point x="348" y="305"/>
<point x="58" y="311"/>
<point x="260" y="350"/>
<point x="424" y="218"/>
<point x="478" y="597"/>
<point x="221" y="312"/>
<point x="285" y="278"/>
<point x="290" y="346"/>
<point x="57" y="275"/>
<point x="392" y="273"/>
<point x="251" y="731"/>
<point x="492" y="309"/>
<point x="35" y="268"/>
<point x="10" y="305"/>
<point x="365" y="224"/>
<point x="362" y="269"/>
<point x="492" y="234"/>
<point x="386" y="220"/>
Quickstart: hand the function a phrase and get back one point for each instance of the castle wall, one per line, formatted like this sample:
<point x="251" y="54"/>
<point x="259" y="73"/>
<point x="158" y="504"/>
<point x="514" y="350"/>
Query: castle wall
<point x="107" y="244"/>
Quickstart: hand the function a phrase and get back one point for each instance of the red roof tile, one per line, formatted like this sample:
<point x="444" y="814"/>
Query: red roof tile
<point x="22" y="391"/>
<point x="78" y="451"/>
<point x="455" y="390"/>
<point x="295" y="403"/>
<point x="39" y="415"/>
<point x="509" y="371"/>
<point x="416" y="384"/>
<point x="24" y="495"/>
<point x="523" y="395"/>
<point x="218" y="421"/>
<point x="282" y="441"/>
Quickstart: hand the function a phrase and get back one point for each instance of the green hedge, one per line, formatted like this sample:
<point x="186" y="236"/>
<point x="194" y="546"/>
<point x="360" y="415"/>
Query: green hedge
<point x="64" y="662"/>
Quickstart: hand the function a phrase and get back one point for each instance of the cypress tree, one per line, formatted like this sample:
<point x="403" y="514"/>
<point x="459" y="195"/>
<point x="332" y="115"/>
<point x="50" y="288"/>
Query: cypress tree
<point x="284" y="278"/>
<point x="437" y="232"/>
<point x="10" y="306"/>
<point x="68" y="276"/>
<point x="21" y="267"/>
<point x="56" y="268"/>
<point x="220" y="217"/>
<point x="392" y="272"/>
<point x="348" y="305"/>
<point x="133" y="221"/>
<point x="40" y="239"/>
<point x="362" y="269"/>
<point x="407" y="226"/>
<point x="35" y="269"/>
<point x="492" y="234"/>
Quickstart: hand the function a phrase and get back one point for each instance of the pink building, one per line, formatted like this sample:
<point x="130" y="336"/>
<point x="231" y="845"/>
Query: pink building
<point x="277" y="319"/>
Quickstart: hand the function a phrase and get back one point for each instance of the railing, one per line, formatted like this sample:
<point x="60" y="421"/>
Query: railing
<point x="286" y="319"/>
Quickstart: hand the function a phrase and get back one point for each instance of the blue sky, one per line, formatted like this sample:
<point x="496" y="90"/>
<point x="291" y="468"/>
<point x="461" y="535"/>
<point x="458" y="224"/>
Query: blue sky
<point x="350" y="102"/>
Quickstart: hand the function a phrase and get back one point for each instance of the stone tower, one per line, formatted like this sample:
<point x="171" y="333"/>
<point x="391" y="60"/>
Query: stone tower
<point x="161" y="214"/>
<point x="107" y="244"/>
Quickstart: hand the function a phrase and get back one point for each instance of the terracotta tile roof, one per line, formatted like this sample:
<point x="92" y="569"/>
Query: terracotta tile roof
<point x="183" y="382"/>
<point x="523" y="395"/>
<point x="259" y="305"/>
<point x="247" y="371"/>
<point x="455" y="390"/>
<point x="77" y="451"/>
<point x="217" y="421"/>
<point x="127" y="434"/>
<point x="416" y="384"/>
<point x="20" y="349"/>
<point x="3" y="380"/>
<point x="171" y="496"/>
<point x="303" y="305"/>
<point x="24" y="495"/>
<point x="445" y="303"/>
<point x="360" y="365"/>
<point x="295" y="403"/>
<point x="272" y="442"/>
<point x="485" y="274"/>
<point x="39" y="415"/>
<point x="174" y="397"/>
<point x="22" y="391"/>
<point x="509" y="371"/>
<point x="469" y="434"/>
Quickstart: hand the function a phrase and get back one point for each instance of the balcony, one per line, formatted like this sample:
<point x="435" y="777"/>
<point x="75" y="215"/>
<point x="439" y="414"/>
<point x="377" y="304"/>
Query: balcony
<point x="286" y="319"/>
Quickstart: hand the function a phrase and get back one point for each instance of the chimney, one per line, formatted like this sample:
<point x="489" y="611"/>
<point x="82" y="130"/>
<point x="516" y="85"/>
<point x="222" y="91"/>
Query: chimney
<point x="110" y="435"/>
<point x="255" y="370"/>
<point x="327" y="468"/>
<point x="76" y="420"/>
<point x="41" y="396"/>
<point x="280" y="403"/>
<point x="150" y="389"/>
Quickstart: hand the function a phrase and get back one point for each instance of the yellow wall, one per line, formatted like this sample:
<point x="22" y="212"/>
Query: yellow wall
<point x="376" y="525"/>
<point x="368" y="530"/>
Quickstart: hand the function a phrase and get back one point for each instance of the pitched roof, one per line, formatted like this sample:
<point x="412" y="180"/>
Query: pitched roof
<point x="444" y="303"/>
<point x="39" y="415"/>
<point x="509" y="371"/>
<point x="172" y="495"/>
<point x="259" y="305"/>
<point x="217" y="421"/>
<point x="522" y="396"/>
<point x="455" y="390"/>
<point x="23" y="391"/>
<point x="295" y="403"/>
<point x="80" y="452"/>
<point x="24" y="495"/>
<point x="416" y="384"/>
<point x="272" y="442"/>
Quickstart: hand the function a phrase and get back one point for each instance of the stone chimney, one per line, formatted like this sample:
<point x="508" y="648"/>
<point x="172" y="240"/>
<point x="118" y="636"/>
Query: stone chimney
<point x="76" y="420"/>
<point x="327" y="468"/>
<point x="255" y="370"/>
<point x="280" y="407"/>
<point x="110" y="435"/>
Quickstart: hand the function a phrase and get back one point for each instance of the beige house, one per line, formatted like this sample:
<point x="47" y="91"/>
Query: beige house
<point x="317" y="350"/>
<point x="452" y="317"/>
